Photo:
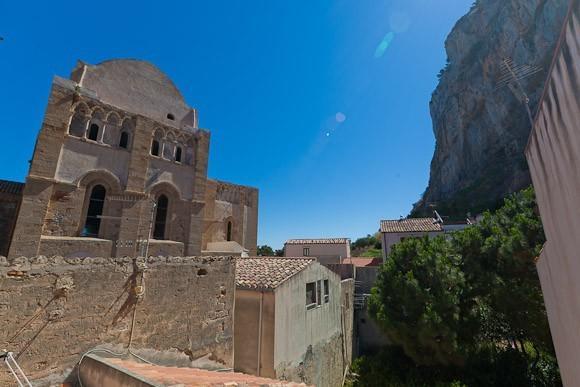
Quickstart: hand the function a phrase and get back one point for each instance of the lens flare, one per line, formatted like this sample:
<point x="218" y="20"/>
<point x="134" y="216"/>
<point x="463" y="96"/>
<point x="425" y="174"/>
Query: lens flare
<point x="399" y="22"/>
<point x="340" y="117"/>
<point x="384" y="44"/>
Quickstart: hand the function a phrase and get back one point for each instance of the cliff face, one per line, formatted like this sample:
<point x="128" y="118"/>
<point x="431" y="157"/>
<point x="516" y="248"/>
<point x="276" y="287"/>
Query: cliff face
<point x="481" y="130"/>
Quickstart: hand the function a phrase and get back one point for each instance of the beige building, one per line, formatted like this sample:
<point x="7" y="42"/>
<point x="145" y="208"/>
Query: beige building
<point x="394" y="231"/>
<point x="120" y="160"/>
<point x="326" y="250"/>
<point x="553" y="154"/>
<point x="293" y="320"/>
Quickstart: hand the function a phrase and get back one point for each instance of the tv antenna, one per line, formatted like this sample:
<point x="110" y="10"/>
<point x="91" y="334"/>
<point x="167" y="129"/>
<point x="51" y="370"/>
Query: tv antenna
<point x="511" y="75"/>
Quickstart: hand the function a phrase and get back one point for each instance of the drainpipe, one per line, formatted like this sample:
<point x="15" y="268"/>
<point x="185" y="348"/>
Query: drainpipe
<point x="260" y="334"/>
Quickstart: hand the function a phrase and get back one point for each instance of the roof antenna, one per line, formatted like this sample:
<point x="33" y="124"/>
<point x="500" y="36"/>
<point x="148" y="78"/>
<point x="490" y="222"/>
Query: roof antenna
<point x="511" y="74"/>
<point x="438" y="218"/>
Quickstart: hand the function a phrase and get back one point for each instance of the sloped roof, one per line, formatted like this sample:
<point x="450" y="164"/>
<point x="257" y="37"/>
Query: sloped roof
<point x="363" y="261"/>
<point x="11" y="187"/>
<point x="321" y="241"/>
<point x="268" y="272"/>
<point x="410" y="225"/>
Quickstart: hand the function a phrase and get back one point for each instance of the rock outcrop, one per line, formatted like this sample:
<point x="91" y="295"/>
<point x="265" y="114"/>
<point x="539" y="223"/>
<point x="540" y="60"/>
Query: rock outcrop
<point x="481" y="129"/>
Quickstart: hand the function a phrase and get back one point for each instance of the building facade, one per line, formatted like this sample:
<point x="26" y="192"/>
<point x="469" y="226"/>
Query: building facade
<point x="394" y="231"/>
<point x="553" y="155"/>
<point x="293" y="320"/>
<point x="326" y="250"/>
<point x="120" y="169"/>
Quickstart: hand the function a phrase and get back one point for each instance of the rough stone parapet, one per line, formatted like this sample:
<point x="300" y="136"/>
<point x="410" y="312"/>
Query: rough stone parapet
<point x="54" y="309"/>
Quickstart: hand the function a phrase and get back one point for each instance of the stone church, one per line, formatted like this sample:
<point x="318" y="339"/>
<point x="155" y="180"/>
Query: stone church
<point x="120" y="169"/>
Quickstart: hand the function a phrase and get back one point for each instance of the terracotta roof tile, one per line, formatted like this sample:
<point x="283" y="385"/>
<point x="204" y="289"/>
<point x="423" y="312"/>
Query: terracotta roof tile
<point x="410" y="225"/>
<point x="363" y="261"/>
<point x="268" y="272"/>
<point x="11" y="187"/>
<point x="322" y="241"/>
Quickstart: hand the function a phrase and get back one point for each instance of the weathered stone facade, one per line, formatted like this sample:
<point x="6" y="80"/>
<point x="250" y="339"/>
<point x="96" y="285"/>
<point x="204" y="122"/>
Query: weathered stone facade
<point x="119" y="160"/>
<point x="53" y="310"/>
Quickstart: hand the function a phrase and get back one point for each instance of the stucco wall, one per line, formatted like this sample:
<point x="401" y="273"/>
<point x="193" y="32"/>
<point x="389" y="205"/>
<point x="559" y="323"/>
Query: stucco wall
<point x="308" y="343"/>
<point x="326" y="253"/>
<point x="253" y="338"/>
<point x="53" y="310"/>
<point x="553" y="155"/>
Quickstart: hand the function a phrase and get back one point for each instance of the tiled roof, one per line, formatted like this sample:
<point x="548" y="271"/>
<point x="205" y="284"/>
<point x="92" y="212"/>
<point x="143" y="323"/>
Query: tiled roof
<point x="11" y="187"/>
<point x="268" y="272"/>
<point x="321" y="241"/>
<point x="410" y="225"/>
<point x="363" y="261"/>
<point x="195" y="377"/>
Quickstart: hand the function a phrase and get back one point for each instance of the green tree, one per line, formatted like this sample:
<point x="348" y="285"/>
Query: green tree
<point x="417" y="300"/>
<point x="265" y="251"/>
<point x="470" y="304"/>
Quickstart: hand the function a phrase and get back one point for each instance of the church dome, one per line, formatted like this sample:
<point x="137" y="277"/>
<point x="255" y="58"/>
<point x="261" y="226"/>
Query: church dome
<point x="138" y="87"/>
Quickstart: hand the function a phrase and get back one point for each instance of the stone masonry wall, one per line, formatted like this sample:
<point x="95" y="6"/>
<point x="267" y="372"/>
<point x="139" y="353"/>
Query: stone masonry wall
<point x="55" y="309"/>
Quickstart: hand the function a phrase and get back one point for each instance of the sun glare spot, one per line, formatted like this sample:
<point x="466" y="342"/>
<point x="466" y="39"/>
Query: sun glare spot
<point x="384" y="44"/>
<point x="340" y="117"/>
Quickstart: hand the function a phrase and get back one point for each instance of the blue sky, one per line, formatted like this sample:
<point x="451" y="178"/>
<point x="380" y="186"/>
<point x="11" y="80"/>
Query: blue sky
<point x="323" y="105"/>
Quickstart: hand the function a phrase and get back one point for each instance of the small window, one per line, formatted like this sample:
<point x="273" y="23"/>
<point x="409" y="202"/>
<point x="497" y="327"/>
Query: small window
<point x="306" y="251"/>
<point x="229" y="232"/>
<point x="155" y="148"/>
<point x="170" y="116"/>
<point x="94" y="212"/>
<point x="310" y="295"/>
<point x="124" y="140"/>
<point x="318" y="291"/>
<point x="178" y="154"/>
<point x="93" y="132"/>
<point x="326" y="292"/>
<point x="160" y="217"/>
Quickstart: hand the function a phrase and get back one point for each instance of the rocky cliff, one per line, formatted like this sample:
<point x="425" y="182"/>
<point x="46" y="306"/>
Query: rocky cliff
<point x="480" y="125"/>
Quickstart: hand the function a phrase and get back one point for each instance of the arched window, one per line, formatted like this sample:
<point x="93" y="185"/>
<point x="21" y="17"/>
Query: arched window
<point x="155" y="147"/>
<point x="93" y="132"/>
<point x="95" y="125"/>
<point x="111" y="129"/>
<point x="160" y="217"/>
<point x="124" y="140"/>
<point x="94" y="212"/>
<point x="229" y="232"/>
<point x="178" y="154"/>
<point x="78" y="123"/>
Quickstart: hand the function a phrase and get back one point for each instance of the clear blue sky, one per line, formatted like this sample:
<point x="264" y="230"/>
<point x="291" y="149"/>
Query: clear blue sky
<point x="323" y="105"/>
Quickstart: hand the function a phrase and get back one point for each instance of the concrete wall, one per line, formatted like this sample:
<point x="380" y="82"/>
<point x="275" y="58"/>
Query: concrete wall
<point x="254" y="332"/>
<point x="390" y="238"/>
<point x="347" y="296"/>
<point x="553" y="152"/>
<point x="309" y="343"/>
<point x="53" y="310"/>
<point x="326" y="253"/>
